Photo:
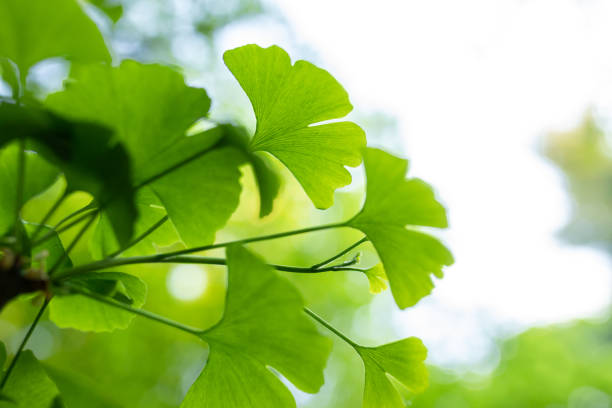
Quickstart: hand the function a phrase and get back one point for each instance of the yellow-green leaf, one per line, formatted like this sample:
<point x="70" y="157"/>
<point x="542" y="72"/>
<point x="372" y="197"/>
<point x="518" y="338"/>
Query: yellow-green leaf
<point x="289" y="102"/>
<point x="35" y="30"/>
<point x="263" y="326"/>
<point x="394" y="209"/>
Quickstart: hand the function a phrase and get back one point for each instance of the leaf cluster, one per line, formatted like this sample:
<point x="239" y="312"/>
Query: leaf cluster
<point x="125" y="135"/>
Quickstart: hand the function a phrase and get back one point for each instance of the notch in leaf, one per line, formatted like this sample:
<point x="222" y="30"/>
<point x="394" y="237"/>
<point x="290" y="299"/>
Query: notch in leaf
<point x="289" y="101"/>
<point x="394" y="209"/>
<point x="263" y="326"/>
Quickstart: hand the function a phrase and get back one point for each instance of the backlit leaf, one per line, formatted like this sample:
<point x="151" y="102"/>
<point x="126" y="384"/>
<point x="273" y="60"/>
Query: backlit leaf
<point x="39" y="175"/>
<point x="35" y="30"/>
<point x="30" y="386"/>
<point x="289" y="101"/>
<point x="393" y="210"/>
<point x="263" y="326"/>
<point x="404" y="360"/>
<point x="377" y="278"/>
<point x="70" y="310"/>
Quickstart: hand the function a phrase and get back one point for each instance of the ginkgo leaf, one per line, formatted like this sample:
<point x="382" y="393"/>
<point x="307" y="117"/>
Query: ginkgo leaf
<point x="86" y="153"/>
<point x="39" y="175"/>
<point x="394" y="207"/>
<point x="30" y="386"/>
<point x="263" y="326"/>
<point x="35" y="30"/>
<point x="289" y="101"/>
<point x="77" y="311"/>
<point x="152" y="122"/>
<point x="404" y="360"/>
<point x="377" y="278"/>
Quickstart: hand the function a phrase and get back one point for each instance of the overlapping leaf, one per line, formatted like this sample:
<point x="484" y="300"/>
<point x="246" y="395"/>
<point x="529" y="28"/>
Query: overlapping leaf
<point x="394" y="207"/>
<point x="86" y="153"/>
<point x="263" y="326"/>
<point x="404" y="360"/>
<point x="35" y="30"/>
<point x="151" y="108"/>
<point x="267" y="179"/>
<point x="288" y="101"/>
<point x="39" y="175"/>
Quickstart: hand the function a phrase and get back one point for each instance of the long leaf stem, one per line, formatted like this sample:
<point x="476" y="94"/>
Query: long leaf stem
<point x="23" y="343"/>
<point x="330" y="327"/>
<point x="70" y="247"/>
<point x="114" y="262"/>
<point x="168" y="256"/>
<point x="139" y="238"/>
<point x="56" y="230"/>
<point x="48" y="215"/>
<point x="250" y="240"/>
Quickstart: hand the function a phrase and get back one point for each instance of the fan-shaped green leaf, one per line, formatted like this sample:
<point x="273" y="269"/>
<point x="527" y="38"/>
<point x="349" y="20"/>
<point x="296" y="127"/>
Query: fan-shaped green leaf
<point x="263" y="326"/>
<point x="34" y="30"/>
<point x="288" y="100"/>
<point x="152" y="121"/>
<point x="404" y="360"/>
<point x="393" y="203"/>
<point x="71" y="310"/>
<point x="30" y="386"/>
<point x="377" y="278"/>
<point x="39" y="175"/>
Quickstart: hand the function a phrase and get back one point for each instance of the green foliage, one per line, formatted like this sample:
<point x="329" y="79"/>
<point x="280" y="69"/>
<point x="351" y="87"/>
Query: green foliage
<point x="84" y="153"/>
<point x="30" y="386"/>
<point x="40" y="176"/>
<point x="263" y="325"/>
<point x="35" y="30"/>
<point x="129" y="136"/>
<point x="392" y="203"/>
<point x="287" y="100"/>
<point x="182" y="172"/>
<point x="2" y="356"/>
<point x="74" y="310"/>
<point x="404" y="360"/>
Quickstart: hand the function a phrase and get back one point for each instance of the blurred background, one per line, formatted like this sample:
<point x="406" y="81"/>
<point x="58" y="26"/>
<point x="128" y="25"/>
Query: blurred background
<point x="504" y="106"/>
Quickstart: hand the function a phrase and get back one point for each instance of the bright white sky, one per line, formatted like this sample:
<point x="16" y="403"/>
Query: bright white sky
<point x="474" y="84"/>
